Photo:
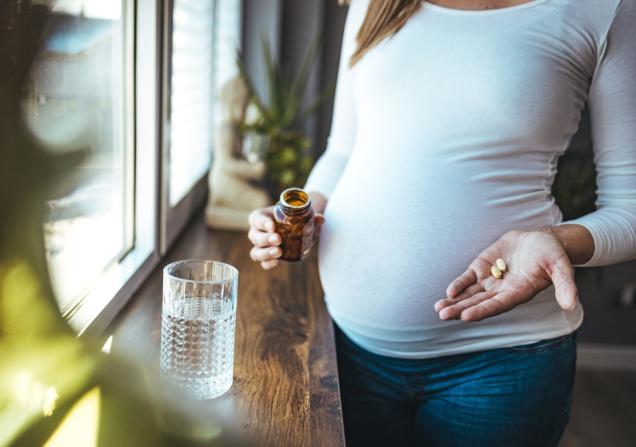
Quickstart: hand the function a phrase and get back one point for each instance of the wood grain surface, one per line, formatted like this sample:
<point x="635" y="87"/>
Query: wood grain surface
<point x="285" y="390"/>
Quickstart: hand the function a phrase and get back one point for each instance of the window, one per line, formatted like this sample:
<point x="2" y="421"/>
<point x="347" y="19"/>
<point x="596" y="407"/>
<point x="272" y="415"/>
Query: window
<point x="79" y="98"/>
<point x="191" y="77"/>
<point x="199" y="55"/>
<point x="98" y="85"/>
<point x="227" y="40"/>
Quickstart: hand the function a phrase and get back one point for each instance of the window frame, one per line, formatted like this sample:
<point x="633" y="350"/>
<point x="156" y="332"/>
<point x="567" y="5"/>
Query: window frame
<point x="157" y="225"/>
<point x="94" y="312"/>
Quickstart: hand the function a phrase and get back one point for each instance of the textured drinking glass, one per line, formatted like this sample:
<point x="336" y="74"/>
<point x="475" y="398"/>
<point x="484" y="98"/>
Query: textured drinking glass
<point x="197" y="326"/>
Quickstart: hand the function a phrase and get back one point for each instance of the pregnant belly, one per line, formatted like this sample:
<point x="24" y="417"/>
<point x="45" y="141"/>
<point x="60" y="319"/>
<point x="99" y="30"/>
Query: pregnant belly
<point x="386" y="256"/>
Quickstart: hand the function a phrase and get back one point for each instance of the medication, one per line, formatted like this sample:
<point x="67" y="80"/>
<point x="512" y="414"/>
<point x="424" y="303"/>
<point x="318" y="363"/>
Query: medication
<point x="294" y="219"/>
<point x="494" y="270"/>
<point x="501" y="264"/>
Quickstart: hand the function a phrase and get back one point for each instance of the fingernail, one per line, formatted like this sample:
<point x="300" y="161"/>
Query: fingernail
<point x="273" y="251"/>
<point x="273" y="239"/>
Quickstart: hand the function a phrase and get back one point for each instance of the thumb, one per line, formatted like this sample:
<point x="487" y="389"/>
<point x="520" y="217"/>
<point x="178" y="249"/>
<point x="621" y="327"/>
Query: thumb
<point x="319" y="219"/>
<point x="562" y="276"/>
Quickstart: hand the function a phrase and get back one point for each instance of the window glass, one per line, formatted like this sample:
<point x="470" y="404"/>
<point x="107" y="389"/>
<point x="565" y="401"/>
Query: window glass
<point x="191" y="90"/>
<point x="78" y="98"/>
<point x="228" y="40"/>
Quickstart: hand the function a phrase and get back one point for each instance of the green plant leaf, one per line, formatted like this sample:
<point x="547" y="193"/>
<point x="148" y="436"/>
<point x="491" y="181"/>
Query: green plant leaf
<point x="306" y="163"/>
<point x="299" y="85"/>
<point x="283" y="115"/>
<point x="288" y="154"/>
<point x="273" y="78"/>
<point x="250" y="85"/>
<point x="317" y="102"/>
<point x="288" y="176"/>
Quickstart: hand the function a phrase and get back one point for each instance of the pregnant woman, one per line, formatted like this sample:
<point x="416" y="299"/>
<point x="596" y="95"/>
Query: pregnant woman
<point x="450" y="116"/>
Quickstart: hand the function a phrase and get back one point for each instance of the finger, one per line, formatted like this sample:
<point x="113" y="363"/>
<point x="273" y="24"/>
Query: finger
<point x="263" y="239"/>
<point x="261" y="221"/>
<point x="268" y="265"/>
<point x="467" y="293"/>
<point x="315" y="231"/>
<point x="466" y="279"/>
<point x="565" y="290"/>
<point x="313" y="225"/>
<point x="318" y="223"/>
<point x="455" y="311"/>
<point x="495" y="305"/>
<point x="265" y="254"/>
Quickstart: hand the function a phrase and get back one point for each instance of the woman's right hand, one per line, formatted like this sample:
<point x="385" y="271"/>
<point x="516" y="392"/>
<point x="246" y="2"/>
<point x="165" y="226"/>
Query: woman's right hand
<point x="262" y="234"/>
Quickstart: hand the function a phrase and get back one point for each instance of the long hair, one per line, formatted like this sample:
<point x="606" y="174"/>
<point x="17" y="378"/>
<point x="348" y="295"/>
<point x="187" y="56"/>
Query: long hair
<point x="384" y="18"/>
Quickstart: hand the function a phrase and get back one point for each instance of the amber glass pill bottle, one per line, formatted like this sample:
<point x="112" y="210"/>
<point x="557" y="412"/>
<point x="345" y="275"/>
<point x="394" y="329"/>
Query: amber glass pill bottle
<point x="294" y="218"/>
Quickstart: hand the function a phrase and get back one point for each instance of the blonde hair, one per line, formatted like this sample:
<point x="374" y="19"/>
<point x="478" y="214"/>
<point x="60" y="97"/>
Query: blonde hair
<point x="384" y="18"/>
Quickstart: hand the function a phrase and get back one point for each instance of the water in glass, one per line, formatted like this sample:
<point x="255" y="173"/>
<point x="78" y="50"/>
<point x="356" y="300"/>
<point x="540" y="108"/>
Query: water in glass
<point x="197" y="346"/>
<point x="197" y="340"/>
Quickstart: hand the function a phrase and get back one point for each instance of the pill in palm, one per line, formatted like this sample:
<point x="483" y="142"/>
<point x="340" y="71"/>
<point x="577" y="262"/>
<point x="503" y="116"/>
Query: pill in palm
<point x="494" y="270"/>
<point x="501" y="264"/>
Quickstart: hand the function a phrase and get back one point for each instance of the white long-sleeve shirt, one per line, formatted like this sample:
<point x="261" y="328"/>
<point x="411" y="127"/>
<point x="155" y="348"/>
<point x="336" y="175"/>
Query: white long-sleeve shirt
<point x="447" y="135"/>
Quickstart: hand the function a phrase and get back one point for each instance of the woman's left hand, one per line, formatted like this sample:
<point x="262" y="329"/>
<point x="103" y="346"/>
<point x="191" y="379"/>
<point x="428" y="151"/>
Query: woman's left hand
<point x="534" y="260"/>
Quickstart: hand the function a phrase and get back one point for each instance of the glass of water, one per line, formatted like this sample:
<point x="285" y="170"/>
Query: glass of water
<point x="197" y="326"/>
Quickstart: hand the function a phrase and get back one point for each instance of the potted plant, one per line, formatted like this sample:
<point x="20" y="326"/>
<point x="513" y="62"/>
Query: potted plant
<point x="273" y="127"/>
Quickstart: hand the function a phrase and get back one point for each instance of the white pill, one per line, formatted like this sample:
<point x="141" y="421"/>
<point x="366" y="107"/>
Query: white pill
<point x="501" y="264"/>
<point x="496" y="272"/>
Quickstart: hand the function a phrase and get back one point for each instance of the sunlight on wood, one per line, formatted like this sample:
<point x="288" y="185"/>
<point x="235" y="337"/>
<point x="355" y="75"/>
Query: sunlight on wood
<point x="79" y="427"/>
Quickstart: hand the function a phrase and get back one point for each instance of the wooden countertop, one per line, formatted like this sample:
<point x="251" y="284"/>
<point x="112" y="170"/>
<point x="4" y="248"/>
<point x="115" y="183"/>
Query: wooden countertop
<point x="285" y="390"/>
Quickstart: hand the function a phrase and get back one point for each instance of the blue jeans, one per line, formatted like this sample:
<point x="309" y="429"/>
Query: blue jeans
<point x="517" y="396"/>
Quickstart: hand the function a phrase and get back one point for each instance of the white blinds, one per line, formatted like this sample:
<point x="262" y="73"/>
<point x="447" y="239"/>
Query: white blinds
<point x="205" y="37"/>
<point x="190" y="94"/>
<point x="228" y="39"/>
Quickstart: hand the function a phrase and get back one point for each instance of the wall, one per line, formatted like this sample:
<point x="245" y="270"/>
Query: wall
<point x="261" y="19"/>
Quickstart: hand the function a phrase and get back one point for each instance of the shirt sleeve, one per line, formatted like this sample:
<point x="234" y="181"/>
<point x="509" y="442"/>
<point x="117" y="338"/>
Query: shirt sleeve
<point x="612" y="104"/>
<point x="331" y="164"/>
